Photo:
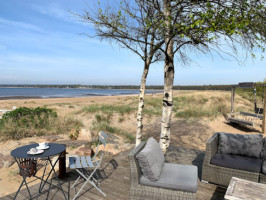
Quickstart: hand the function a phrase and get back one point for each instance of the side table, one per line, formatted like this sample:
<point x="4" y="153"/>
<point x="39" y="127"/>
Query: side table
<point x="240" y="189"/>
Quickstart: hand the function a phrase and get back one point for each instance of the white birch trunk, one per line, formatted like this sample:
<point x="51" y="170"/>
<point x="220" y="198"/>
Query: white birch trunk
<point x="141" y="102"/>
<point x="168" y="85"/>
<point x="167" y="105"/>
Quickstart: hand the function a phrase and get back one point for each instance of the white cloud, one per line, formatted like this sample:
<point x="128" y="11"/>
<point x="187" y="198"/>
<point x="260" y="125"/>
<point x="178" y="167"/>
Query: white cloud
<point x="56" y="11"/>
<point x="62" y="13"/>
<point x="20" y="24"/>
<point x="52" y="10"/>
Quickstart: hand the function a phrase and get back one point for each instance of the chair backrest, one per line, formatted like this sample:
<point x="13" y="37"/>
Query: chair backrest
<point x="104" y="135"/>
<point x="102" y="139"/>
<point x="135" y="171"/>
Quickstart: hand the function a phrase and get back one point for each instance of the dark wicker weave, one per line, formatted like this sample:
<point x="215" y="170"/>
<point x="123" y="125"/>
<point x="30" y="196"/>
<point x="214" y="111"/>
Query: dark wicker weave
<point x="140" y="192"/>
<point x="221" y="175"/>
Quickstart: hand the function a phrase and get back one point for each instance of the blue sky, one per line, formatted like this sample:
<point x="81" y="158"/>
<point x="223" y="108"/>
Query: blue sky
<point x="42" y="43"/>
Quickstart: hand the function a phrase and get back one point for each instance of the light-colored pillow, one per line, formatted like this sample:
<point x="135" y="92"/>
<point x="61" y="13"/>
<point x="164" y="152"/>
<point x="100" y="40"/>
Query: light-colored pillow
<point x="151" y="160"/>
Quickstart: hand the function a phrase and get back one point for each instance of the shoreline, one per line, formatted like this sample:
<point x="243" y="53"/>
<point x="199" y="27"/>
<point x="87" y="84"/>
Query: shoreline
<point x="20" y="97"/>
<point x="26" y="95"/>
<point x="92" y="97"/>
<point x="63" y="97"/>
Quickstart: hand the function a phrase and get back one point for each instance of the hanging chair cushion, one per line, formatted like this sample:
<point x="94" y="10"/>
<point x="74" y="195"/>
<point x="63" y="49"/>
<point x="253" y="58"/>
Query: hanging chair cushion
<point x="151" y="160"/>
<point x="241" y="145"/>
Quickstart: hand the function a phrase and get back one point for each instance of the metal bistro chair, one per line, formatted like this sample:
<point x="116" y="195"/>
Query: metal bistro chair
<point x="81" y="163"/>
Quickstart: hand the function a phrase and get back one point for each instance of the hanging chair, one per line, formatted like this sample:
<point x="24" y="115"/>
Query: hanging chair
<point x="245" y="118"/>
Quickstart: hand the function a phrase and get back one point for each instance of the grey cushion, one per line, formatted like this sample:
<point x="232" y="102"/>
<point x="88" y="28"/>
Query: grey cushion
<point x="175" y="176"/>
<point x="237" y="162"/>
<point x="264" y="167"/>
<point x="242" y="145"/>
<point x="263" y="152"/>
<point x="151" y="160"/>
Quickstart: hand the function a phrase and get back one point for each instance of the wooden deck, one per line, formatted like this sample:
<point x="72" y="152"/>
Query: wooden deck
<point x="116" y="186"/>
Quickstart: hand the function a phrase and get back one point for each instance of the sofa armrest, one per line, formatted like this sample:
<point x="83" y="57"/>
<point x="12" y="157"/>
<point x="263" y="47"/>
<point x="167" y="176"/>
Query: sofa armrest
<point x="135" y="171"/>
<point x="211" y="147"/>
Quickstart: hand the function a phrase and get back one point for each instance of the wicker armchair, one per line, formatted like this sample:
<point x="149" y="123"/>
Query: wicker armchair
<point x="221" y="175"/>
<point x="140" y="192"/>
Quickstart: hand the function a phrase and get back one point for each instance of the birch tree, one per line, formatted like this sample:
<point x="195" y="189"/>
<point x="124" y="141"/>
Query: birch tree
<point x="133" y="26"/>
<point x="184" y="26"/>
<point x="205" y="26"/>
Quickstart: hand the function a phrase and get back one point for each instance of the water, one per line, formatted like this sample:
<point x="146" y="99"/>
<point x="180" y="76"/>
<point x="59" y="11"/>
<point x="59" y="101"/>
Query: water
<point x="20" y="93"/>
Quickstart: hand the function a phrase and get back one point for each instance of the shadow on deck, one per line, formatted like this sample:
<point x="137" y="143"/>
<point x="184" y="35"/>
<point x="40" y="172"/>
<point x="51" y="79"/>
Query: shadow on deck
<point x="115" y="180"/>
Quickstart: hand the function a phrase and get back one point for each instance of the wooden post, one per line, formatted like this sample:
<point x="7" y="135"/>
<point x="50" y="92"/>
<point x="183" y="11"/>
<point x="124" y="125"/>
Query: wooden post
<point x="233" y="91"/>
<point x="264" y="115"/>
<point x="255" y="98"/>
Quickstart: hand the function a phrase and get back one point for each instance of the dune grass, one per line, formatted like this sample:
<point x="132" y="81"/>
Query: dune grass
<point x="103" y="122"/>
<point x="247" y="93"/>
<point x="153" y="106"/>
<point x="198" y="111"/>
<point x="186" y="105"/>
<point x="189" y="106"/>
<point x="200" y="106"/>
<point x="121" y="109"/>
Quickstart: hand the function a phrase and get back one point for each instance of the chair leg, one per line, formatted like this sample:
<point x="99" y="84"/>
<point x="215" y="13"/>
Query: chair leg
<point x="93" y="184"/>
<point x="76" y="195"/>
<point x="89" y="179"/>
<point x="75" y="182"/>
<point x="97" y="187"/>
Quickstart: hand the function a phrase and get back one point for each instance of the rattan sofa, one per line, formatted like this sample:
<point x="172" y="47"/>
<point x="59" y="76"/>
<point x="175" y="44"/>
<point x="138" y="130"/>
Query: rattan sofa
<point x="222" y="175"/>
<point x="140" y="192"/>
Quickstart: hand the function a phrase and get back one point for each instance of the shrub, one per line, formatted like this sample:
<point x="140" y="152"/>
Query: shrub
<point x="27" y="122"/>
<point x="25" y="117"/>
<point x="73" y="134"/>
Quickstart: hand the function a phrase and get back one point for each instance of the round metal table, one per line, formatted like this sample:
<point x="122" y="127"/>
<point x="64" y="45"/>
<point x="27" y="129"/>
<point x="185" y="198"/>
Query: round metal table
<point x="54" y="149"/>
<point x="27" y="164"/>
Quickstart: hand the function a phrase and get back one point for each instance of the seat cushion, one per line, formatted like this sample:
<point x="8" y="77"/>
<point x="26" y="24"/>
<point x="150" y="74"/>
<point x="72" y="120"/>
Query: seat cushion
<point x="241" y="145"/>
<point x="151" y="160"/>
<point x="176" y="177"/>
<point x="263" y="169"/>
<point x="237" y="162"/>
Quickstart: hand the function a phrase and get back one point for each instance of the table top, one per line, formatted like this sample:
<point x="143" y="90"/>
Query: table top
<point x="240" y="189"/>
<point x="54" y="149"/>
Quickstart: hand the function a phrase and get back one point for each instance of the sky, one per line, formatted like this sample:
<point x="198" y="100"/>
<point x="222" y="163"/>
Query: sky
<point x="42" y="42"/>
